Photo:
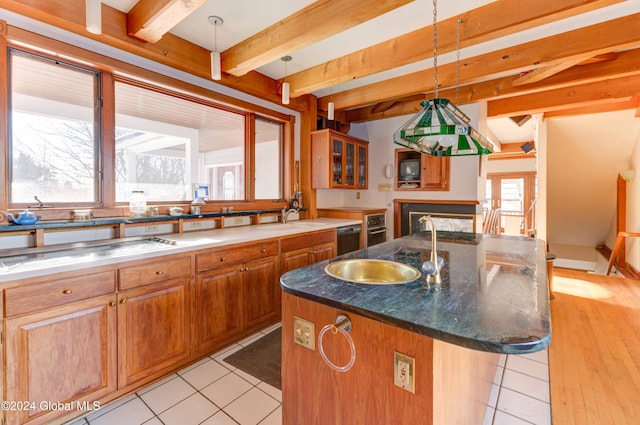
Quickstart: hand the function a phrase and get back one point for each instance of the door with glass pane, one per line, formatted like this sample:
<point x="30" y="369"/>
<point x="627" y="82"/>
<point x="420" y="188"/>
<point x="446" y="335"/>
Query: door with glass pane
<point x="514" y="194"/>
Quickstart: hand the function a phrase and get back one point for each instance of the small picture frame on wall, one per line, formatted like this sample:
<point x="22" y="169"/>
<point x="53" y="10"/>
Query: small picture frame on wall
<point x="201" y="191"/>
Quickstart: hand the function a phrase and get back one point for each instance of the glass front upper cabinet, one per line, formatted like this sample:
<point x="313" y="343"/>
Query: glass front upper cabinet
<point x="339" y="161"/>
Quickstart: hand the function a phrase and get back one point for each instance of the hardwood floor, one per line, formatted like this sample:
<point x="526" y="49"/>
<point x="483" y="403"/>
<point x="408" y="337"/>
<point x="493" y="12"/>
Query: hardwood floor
<point x="594" y="356"/>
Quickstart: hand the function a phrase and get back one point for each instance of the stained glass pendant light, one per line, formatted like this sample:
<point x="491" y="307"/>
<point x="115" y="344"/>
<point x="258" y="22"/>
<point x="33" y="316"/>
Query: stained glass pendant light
<point x="440" y="128"/>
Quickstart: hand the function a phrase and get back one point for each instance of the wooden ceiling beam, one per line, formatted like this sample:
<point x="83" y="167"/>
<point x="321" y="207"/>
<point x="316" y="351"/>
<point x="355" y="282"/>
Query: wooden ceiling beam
<point x="383" y="106"/>
<point x="149" y="20"/>
<point x="614" y="90"/>
<point x="314" y="23"/>
<point x="171" y="50"/>
<point x="513" y="151"/>
<point x="593" y="109"/>
<point x="626" y="64"/>
<point x="478" y="25"/>
<point x="600" y="58"/>
<point x="541" y="73"/>
<point x="617" y="34"/>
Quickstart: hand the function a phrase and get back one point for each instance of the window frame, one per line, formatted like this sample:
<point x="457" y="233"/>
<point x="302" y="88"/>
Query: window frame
<point x="111" y="69"/>
<point x="248" y="191"/>
<point x="97" y="135"/>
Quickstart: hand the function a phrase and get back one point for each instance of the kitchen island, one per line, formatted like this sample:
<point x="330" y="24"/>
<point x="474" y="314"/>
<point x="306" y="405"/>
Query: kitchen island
<point x="493" y="299"/>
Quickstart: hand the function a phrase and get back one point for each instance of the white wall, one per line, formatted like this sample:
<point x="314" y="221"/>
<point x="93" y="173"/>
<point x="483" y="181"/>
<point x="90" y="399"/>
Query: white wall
<point x="512" y="165"/>
<point x="585" y="154"/>
<point x="633" y="208"/>
<point x="541" y="205"/>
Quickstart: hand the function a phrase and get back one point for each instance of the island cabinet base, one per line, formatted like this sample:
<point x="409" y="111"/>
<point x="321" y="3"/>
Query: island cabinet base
<point x="452" y="383"/>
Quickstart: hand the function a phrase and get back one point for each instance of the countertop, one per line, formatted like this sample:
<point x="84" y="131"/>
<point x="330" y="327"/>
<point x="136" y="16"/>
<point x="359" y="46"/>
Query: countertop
<point x="354" y="209"/>
<point x="78" y="256"/>
<point x="493" y="297"/>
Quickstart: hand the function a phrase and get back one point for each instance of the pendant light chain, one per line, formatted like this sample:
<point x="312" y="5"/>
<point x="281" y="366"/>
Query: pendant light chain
<point x="458" y="62"/>
<point x="440" y="128"/>
<point x="435" y="48"/>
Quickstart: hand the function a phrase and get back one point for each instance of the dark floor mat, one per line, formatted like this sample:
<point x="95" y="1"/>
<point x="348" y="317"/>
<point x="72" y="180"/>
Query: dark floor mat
<point x="262" y="358"/>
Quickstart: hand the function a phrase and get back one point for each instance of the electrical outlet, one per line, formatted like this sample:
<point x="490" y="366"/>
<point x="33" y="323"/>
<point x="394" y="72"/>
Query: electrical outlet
<point x="357" y="195"/>
<point x="404" y="371"/>
<point x="304" y="333"/>
<point x="151" y="228"/>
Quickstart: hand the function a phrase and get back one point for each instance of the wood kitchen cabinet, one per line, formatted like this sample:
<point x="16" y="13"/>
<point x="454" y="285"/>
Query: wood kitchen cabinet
<point x="65" y="353"/>
<point x="300" y="251"/>
<point x="338" y="160"/>
<point x="154" y="325"/>
<point x="433" y="171"/>
<point x="234" y="295"/>
<point x="261" y="291"/>
<point x="91" y="334"/>
<point x="218" y="307"/>
<point x="154" y="317"/>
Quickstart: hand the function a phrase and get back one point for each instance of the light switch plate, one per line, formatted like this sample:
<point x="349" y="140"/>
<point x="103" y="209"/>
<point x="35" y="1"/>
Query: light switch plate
<point x="304" y="333"/>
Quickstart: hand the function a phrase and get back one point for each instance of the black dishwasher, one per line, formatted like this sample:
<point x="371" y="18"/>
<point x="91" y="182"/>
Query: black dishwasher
<point x="349" y="238"/>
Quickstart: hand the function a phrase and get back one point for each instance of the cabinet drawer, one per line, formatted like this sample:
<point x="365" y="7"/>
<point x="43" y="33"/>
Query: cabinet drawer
<point x="315" y="238"/>
<point x="29" y="298"/>
<point x="265" y="249"/>
<point x="239" y="254"/>
<point x="147" y="273"/>
<point x="219" y="258"/>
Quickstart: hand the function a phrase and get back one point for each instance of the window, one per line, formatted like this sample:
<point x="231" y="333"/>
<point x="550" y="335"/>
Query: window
<point x="269" y="141"/>
<point x="162" y="143"/>
<point x="53" y="142"/>
<point x="165" y="143"/>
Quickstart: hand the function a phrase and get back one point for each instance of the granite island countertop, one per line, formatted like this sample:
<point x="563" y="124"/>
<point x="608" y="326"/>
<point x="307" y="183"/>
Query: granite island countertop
<point x="493" y="297"/>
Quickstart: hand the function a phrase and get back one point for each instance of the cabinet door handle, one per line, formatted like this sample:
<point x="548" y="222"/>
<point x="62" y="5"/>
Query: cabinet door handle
<point x="112" y="304"/>
<point x="67" y="291"/>
<point x="223" y="259"/>
<point x="159" y="272"/>
<point x="263" y="250"/>
<point x="312" y="252"/>
<point x="123" y="301"/>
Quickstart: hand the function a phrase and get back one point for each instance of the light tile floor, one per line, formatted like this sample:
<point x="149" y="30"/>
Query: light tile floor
<point x="212" y="392"/>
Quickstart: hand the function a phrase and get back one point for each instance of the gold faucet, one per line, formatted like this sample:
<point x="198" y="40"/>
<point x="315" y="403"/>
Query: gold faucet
<point x="432" y="267"/>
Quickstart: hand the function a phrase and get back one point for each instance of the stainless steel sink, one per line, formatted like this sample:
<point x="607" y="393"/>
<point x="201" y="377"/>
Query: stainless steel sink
<point x="372" y="272"/>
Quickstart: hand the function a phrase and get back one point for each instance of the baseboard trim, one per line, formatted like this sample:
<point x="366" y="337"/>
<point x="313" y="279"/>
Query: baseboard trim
<point x="567" y="263"/>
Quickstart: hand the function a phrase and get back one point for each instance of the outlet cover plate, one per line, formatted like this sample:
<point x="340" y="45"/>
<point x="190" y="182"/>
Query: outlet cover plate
<point x="404" y="371"/>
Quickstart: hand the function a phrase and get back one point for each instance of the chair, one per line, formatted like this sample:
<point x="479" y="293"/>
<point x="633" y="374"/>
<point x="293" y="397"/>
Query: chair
<point x="491" y="223"/>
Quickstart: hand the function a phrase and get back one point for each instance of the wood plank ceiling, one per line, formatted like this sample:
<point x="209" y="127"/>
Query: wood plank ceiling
<point x="595" y="68"/>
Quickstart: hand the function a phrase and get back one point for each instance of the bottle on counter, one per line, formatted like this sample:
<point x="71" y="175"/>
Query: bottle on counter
<point x="137" y="204"/>
<point x="196" y="206"/>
